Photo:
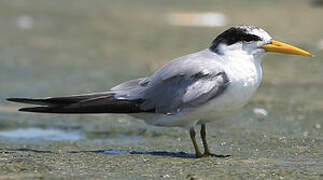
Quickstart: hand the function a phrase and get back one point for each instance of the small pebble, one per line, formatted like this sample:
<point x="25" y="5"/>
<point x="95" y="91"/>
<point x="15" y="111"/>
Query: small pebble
<point x="165" y="176"/>
<point x="317" y="126"/>
<point x="223" y="143"/>
<point x="260" y="111"/>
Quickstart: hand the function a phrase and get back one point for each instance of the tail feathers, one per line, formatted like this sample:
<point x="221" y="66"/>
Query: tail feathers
<point x="78" y="104"/>
<point x="59" y="100"/>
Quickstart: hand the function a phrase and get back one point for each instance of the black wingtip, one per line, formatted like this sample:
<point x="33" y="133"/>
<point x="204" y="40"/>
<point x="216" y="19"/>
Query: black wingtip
<point x="35" y="109"/>
<point x="12" y="99"/>
<point x="25" y="109"/>
<point x="29" y="101"/>
<point x="21" y="100"/>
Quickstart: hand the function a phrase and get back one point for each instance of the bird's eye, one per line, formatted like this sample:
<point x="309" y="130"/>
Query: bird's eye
<point x="250" y="37"/>
<point x="248" y="40"/>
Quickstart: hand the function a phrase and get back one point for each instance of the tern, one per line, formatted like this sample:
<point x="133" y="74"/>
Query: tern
<point x="188" y="91"/>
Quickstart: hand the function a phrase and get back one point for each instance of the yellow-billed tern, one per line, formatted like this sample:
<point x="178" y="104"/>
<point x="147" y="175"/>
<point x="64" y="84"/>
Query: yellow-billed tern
<point x="189" y="90"/>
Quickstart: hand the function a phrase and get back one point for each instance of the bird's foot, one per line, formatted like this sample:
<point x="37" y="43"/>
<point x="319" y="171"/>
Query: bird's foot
<point x="208" y="154"/>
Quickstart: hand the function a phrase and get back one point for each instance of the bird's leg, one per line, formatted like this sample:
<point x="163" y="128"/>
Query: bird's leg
<point x="206" y="147"/>
<point x="203" y="136"/>
<point x="197" y="151"/>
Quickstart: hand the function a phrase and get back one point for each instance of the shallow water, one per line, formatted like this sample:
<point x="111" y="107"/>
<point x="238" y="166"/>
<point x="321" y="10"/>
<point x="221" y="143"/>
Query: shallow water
<point x="56" y="48"/>
<point x="44" y="134"/>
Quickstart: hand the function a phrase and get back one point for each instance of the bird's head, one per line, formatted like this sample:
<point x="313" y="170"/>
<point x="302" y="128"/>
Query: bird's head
<point x="251" y="40"/>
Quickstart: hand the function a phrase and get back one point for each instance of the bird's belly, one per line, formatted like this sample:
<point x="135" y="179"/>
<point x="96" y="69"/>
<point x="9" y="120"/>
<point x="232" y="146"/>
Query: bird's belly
<point x="234" y="97"/>
<point x="181" y="119"/>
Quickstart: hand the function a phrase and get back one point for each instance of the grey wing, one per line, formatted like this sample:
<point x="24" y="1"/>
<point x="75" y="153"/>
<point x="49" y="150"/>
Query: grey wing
<point x="185" y="82"/>
<point x="180" y="92"/>
<point x="174" y="93"/>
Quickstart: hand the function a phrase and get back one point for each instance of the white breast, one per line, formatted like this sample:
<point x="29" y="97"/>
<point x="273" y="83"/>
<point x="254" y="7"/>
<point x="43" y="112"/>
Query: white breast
<point x="245" y="76"/>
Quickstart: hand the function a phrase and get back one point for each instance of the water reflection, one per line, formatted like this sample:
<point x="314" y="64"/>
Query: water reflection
<point x="46" y="134"/>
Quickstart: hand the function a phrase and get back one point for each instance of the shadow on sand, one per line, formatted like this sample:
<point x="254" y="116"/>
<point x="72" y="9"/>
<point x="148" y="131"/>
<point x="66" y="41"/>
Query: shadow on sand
<point x="113" y="152"/>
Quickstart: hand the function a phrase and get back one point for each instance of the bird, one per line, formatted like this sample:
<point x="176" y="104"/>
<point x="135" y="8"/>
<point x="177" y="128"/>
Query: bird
<point x="188" y="91"/>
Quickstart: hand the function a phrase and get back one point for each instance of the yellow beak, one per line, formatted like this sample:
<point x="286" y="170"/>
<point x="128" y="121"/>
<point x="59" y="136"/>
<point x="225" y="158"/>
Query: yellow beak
<point x="276" y="46"/>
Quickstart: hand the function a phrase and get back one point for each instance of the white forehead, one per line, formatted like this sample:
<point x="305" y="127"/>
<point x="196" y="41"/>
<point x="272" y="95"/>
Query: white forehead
<point x="258" y="32"/>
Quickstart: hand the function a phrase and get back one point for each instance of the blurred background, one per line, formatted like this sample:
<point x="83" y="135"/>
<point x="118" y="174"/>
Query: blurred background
<point x="64" y="47"/>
